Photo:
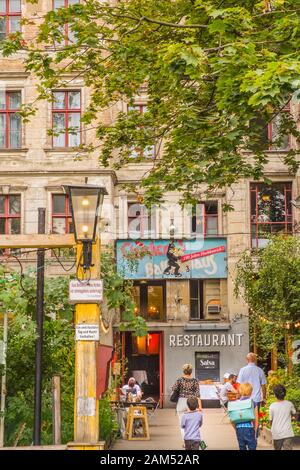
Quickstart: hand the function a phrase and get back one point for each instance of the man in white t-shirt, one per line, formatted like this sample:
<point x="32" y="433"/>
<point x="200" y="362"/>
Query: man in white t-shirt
<point x="227" y="387"/>
<point x="281" y="413"/>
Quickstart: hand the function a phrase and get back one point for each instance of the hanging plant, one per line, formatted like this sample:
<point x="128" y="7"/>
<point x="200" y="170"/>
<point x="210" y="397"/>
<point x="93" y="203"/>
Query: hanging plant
<point x="134" y="256"/>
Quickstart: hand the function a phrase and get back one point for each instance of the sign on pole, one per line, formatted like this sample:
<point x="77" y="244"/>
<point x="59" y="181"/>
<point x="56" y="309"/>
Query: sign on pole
<point x="86" y="292"/>
<point x="86" y="332"/>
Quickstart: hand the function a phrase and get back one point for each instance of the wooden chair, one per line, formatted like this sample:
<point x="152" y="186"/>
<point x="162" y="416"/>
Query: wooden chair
<point x="137" y="413"/>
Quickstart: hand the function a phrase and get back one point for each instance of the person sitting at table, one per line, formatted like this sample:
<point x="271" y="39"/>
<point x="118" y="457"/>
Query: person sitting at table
<point x="132" y="388"/>
<point x="235" y="384"/>
<point x="227" y="388"/>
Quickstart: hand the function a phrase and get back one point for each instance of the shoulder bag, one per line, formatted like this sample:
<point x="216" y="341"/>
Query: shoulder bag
<point x="175" y="394"/>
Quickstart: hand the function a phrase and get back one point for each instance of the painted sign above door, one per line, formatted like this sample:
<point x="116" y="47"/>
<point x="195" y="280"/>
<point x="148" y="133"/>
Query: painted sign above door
<point x="167" y="259"/>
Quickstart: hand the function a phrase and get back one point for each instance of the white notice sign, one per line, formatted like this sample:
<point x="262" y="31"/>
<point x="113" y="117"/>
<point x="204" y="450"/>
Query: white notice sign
<point x="86" y="293"/>
<point x="87" y="332"/>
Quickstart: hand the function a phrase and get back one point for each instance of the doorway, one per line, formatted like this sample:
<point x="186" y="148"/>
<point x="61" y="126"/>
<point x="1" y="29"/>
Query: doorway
<point x="144" y="357"/>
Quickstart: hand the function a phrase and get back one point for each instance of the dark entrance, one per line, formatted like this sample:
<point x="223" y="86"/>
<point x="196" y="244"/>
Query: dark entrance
<point x="144" y="362"/>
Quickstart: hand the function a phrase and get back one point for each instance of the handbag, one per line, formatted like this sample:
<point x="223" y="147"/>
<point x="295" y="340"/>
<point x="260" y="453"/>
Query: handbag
<point x="174" y="396"/>
<point x="241" y="411"/>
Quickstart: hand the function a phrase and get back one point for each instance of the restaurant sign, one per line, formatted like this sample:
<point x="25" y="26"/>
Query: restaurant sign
<point x="206" y="340"/>
<point x="167" y="259"/>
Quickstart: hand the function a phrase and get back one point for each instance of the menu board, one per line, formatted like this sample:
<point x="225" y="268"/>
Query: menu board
<point x="207" y="366"/>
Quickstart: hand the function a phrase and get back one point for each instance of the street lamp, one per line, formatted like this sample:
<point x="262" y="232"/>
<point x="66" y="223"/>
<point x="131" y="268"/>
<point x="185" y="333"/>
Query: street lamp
<point x="172" y="230"/>
<point x="86" y="203"/>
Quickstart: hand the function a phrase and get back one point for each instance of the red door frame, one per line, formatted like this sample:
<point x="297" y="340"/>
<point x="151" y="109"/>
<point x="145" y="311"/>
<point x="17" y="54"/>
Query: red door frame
<point x="161" y="368"/>
<point x="161" y="362"/>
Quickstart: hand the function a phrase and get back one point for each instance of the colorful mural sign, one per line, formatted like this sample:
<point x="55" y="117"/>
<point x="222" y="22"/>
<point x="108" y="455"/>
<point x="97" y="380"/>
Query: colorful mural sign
<point x="187" y="259"/>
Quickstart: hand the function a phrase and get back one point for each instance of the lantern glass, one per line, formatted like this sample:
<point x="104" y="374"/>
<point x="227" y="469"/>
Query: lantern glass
<point x="86" y="203"/>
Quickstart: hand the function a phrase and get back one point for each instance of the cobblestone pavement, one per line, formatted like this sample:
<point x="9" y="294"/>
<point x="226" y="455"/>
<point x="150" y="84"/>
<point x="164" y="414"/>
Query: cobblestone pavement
<point x="165" y="434"/>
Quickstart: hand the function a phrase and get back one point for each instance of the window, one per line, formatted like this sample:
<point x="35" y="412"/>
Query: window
<point x="10" y="17"/>
<point x="150" y="300"/>
<point x="268" y="133"/>
<point x="69" y="36"/>
<point x="139" y="221"/>
<point x="149" y="151"/>
<point x="61" y="214"/>
<point x="10" y="120"/>
<point x="10" y="215"/>
<point x="271" y="211"/>
<point x="205" y="300"/>
<point x="196" y="300"/>
<point x="66" y="115"/>
<point x="273" y="133"/>
<point x="205" y="218"/>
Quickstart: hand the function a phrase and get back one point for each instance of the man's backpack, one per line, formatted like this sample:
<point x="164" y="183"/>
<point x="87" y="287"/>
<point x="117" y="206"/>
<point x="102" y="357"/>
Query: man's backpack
<point x="241" y="411"/>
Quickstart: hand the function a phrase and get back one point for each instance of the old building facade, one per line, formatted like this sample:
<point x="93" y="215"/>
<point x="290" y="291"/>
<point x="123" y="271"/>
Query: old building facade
<point x="184" y="286"/>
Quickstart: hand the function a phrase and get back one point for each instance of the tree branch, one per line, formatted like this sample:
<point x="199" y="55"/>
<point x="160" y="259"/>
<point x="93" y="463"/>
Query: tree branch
<point x="161" y="23"/>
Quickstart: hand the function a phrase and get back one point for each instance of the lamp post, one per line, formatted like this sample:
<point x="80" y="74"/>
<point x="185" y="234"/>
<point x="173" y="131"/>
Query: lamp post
<point x="86" y="204"/>
<point x="172" y="230"/>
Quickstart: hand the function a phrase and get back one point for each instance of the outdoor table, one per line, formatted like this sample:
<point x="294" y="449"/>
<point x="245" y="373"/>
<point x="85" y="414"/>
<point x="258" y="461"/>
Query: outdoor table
<point x="209" y="396"/>
<point x="125" y="404"/>
<point x="122" y="407"/>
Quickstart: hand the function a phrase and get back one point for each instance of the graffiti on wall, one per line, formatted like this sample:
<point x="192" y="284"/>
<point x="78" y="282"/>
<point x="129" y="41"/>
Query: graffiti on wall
<point x="173" y="259"/>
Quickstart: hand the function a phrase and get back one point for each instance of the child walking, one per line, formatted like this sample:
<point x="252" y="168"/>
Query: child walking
<point x="246" y="431"/>
<point x="191" y="422"/>
<point x="280" y="416"/>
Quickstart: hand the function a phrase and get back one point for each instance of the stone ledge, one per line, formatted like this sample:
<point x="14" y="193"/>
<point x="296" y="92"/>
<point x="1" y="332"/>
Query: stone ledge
<point x="17" y="152"/>
<point x="207" y="326"/>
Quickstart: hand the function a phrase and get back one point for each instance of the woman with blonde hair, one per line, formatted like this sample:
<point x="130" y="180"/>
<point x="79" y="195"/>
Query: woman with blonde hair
<point x="185" y="387"/>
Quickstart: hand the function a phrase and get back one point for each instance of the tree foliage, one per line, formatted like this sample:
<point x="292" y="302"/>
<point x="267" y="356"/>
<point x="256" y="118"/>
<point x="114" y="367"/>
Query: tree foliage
<point x="270" y="284"/>
<point x="58" y="357"/>
<point x="18" y="298"/>
<point x="119" y="296"/>
<point x="213" y="72"/>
